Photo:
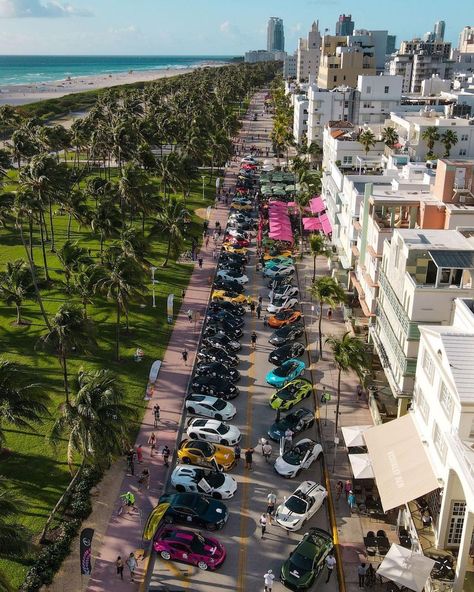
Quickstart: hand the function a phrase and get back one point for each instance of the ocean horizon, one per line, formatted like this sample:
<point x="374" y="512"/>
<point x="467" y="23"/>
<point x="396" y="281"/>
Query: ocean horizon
<point x="35" y="69"/>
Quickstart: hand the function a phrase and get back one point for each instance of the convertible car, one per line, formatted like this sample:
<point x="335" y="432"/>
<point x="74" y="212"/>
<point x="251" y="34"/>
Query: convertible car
<point x="287" y="372"/>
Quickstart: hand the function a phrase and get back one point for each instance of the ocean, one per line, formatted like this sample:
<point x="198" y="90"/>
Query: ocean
<point x="36" y="69"/>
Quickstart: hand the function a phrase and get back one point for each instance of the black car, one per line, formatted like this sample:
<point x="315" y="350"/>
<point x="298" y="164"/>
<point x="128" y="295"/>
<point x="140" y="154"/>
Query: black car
<point x="215" y="386"/>
<point x="232" y="266"/>
<point x="233" y="257"/>
<point x="223" y="342"/>
<point x="224" y="316"/>
<point x="286" y="334"/>
<point x="293" y="349"/>
<point x="298" y="420"/>
<point x="231" y="331"/>
<point x="275" y="282"/>
<point x="194" y="509"/>
<point x="222" y="284"/>
<point x="216" y="354"/>
<point x="218" y="369"/>
<point x="232" y="307"/>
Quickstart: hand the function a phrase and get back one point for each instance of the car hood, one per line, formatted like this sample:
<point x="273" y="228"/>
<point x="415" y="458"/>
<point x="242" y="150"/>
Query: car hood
<point x="284" y="515"/>
<point x="277" y="430"/>
<point x="283" y="467"/>
<point x="295" y="576"/>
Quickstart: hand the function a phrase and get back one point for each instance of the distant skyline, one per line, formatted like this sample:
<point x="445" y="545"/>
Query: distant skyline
<point x="212" y="27"/>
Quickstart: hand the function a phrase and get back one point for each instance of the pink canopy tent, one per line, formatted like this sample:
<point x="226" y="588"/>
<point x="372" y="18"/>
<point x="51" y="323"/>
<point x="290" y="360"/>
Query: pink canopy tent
<point x="280" y="225"/>
<point x="312" y="224"/>
<point x="326" y="224"/>
<point x="317" y="205"/>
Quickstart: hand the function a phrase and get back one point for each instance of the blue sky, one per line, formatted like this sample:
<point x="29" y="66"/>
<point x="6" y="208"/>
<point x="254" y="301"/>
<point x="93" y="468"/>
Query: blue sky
<point x="213" y="27"/>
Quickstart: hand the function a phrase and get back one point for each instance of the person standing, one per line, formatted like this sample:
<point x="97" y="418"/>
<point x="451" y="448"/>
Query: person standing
<point x="351" y="500"/>
<point x="339" y="489"/>
<point x="271" y="501"/>
<point x="184" y="355"/>
<point x="361" y="571"/>
<point x="263" y="524"/>
<point x="139" y="454"/>
<point x="259" y="310"/>
<point x="330" y="563"/>
<point x="252" y="307"/>
<point x="200" y="260"/>
<point x="119" y="566"/>
<point x="288" y="437"/>
<point x="132" y="565"/>
<point x="253" y="340"/>
<point x="166" y="455"/>
<point x="156" y="414"/>
<point x="152" y="443"/>
<point x="237" y="453"/>
<point x="130" y="462"/>
<point x="268" y="580"/>
<point x="144" y="478"/>
<point x="249" y="458"/>
<point x="267" y="451"/>
<point x="347" y="488"/>
<point x="359" y="392"/>
<point x="190" y="315"/>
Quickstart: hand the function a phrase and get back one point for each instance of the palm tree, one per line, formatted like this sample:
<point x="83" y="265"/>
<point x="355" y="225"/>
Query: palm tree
<point x="170" y="223"/>
<point x="16" y="285"/>
<point x="22" y="401"/>
<point x="14" y="537"/>
<point x="95" y="424"/>
<point x="120" y="279"/>
<point x="327" y="292"/>
<point x="349" y="354"/>
<point x="72" y="256"/>
<point x="106" y="220"/>
<point x="319" y="248"/>
<point x="367" y="139"/>
<point x="70" y="332"/>
<point x="390" y="136"/>
<point x="449" y="138"/>
<point x="430" y="135"/>
<point x="83" y="286"/>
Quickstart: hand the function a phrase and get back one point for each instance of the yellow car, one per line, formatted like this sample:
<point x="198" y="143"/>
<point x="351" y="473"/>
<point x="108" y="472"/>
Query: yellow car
<point x="241" y="207"/>
<point x="198" y="452"/>
<point x="230" y="249"/>
<point x="229" y="296"/>
<point x="267" y="256"/>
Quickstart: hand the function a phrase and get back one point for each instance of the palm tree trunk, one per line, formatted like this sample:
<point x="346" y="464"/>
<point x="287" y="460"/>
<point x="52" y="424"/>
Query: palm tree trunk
<point x="338" y="401"/>
<point x="50" y="208"/>
<point x="30" y="230"/>
<point x="43" y="248"/>
<point x="314" y="268"/>
<point x="84" y="305"/>
<point x="69" y="226"/>
<point x="117" y="334"/>
<point x="18" y="313"/>
<point x="320" y="331"/>
<point x="143" y="222"/>
<point x="301" y="231"/>
<point x="63" y="362"/>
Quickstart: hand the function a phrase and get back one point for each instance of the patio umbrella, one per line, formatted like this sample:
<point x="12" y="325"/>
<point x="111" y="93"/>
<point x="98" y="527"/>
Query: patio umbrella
<point x="353" y="435"/>
<point x="361" y="466"/>
<point x="406" y="568"/>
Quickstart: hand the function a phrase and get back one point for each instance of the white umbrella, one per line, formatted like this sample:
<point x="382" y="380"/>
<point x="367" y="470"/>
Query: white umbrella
<point x="406" y="568"/>
<point x="361" y="466"/>
<point x="353" y="435"/>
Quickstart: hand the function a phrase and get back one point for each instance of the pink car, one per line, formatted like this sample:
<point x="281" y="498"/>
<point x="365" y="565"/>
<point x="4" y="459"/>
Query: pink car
<point x="177" y="544"/>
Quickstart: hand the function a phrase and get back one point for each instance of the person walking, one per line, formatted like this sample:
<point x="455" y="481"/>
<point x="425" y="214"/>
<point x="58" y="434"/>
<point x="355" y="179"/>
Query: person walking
<point x="132" y="565"/>
<point x="184" y="355"/>
<point x="339" y="489"/>
<point x="330" y="563"/>
<point x="249" y="458"/>
<point x="268" y="580"/>
<point x="200" y="260"/>
<point x="347" y="488"/>
<point x="207" y="241"/>
<point x="359" y="392"/>
<point x="259" y="310"/>
<point x="156" y="414"/>
<point x="361" y="571"/>
<point x="267" y="451"/>
<point x="252" y="308"/>
<point x="329" y="314"/>
<point x="263" y="524"/>
<point x="271" y="501"/>
<point x="119" y="566"/>
<point x="351" y="500"/>
<point x="166" y="455"/>
<point x="253" y="340"/>
<point x="139" y="454"/>
<point x="190" y="315"/>
<point x="128" y="500"/>
<point x="152" y="443"/>
<point x="130" y="462"/>
<point x="144" y="478"/>
<point x="237" y="453"/>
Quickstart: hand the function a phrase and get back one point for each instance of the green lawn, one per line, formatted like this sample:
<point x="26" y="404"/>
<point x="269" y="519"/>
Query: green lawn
<point x="36" y="471"/>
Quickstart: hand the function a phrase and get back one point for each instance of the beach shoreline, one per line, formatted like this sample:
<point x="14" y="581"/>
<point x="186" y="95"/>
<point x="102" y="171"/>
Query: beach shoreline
<point x="23" y="94"/>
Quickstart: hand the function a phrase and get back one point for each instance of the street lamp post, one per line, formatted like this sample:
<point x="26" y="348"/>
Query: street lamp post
<point x="203" y="177"/>
<point x="153" y="282"/>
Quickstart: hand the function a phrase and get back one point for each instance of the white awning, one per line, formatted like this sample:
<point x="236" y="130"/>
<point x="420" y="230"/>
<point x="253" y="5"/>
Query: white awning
<point x="353" y="435"/>
<point x="406" y="568"/>
<point x="400" y="463"/>
<point x="361" y="466"/>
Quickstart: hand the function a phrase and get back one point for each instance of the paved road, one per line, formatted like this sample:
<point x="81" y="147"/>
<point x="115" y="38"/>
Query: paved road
<point x="249" y="557"/>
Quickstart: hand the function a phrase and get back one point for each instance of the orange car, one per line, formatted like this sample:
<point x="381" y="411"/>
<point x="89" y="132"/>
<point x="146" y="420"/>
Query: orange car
<point x="284" y="317"/>
<point x="267" y="256"/>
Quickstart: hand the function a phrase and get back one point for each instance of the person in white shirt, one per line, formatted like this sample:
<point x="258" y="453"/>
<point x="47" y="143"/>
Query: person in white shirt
<point x="271" y="501"/>
<point x="330" y="563"/>
<point x="268" y="579"/>
<point x="263" y="524"/>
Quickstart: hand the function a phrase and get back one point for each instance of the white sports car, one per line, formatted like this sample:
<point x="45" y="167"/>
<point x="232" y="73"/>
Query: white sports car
<point x="300" y="456"/>
<point x="210" y="407"/>
<point x="301" y="505"/>
<point x="279" y="304"/>
<point x="279" y="270"/>
<point x="227" y="274"/>
<point x="283" y="292"/>
<point x="212" y="430"/>
<point x="202" y="480"/>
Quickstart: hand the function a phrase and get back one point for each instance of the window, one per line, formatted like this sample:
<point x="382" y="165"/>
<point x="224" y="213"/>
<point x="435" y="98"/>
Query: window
<point x="462" y="152"/>
<point x="446" y="401"/>
<point x="347" y="160"/>
<point x="456" y="523"/>
<point x="386" y="89"/>
<point x="367" y="105"/>
<point x="464" y="138"/>
<point x="439" y="442"/>
<point x="368" y="90"/>
<point x="422" y="404"/>
<point x="335" y="78"/>
<point x="428" y="366"/>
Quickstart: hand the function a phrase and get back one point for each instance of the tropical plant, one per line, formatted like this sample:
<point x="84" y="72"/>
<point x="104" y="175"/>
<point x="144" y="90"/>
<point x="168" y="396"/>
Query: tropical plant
<point x="367" y="139"/>
<point x="430" y="135"/>
<point x="106" y="220"/>
<point x="349" y="354"/>
<point x="83" y="286"/>
<point x="16" y="285"/>
<point x="389" y="136"/>
<point x="72" y="257"/>
<point x="319" y="248"/>
<point x="14" y="537"/>
<point x="449" y="138"/>
<point x="170" y="222"/>
<point x="327" y="292"/>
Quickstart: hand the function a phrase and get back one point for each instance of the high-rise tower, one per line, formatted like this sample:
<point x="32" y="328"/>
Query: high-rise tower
<point x="438" y="30"/>
<point x="275" y="34"/>
<point x="345" y="25"/>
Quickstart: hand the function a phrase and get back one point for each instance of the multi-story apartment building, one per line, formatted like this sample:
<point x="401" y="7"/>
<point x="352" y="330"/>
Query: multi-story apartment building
<point x="422" y="271"/>
<point x="290" y="65"/>
<point x="343" y="59"/>
<point x="466" y="40"/>
<point x="300" y="117"/>
<point x="275" y="34"/>
<point x="377" y="38"/>
<point x="308" y="55"/>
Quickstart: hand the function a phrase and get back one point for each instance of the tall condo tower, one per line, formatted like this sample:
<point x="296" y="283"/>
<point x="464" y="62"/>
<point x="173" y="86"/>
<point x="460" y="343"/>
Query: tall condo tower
<point x="275" y="34"/>
<point x="439" y="30"/>
<point x="345" y="25"/>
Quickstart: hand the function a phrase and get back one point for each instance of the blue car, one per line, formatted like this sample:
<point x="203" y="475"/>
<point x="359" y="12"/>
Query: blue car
<point x="287" y="372"/>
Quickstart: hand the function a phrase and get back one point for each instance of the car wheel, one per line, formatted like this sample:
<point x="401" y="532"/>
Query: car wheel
<point x="311" y="423"/>
<point x="218" y="416"/>
<point x="193" y="436"/>
<point x="211" y="391"/>
<point x="216" y="495"/>
<point x="186" y="460"/>
<point x="191" y="410"/>
<point x="202" y="565"/>
<point x="225" y="442"/>
<point x="165" y="555"/>
<point x="180" y="488"/>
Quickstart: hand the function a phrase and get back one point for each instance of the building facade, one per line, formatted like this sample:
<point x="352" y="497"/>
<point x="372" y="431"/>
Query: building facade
<point x="289" y="66"/>
<point x="308" y="55"/>
<point x="343" y="59"/>
<point x="344" y="25"/>
<point x="275" y="34"/>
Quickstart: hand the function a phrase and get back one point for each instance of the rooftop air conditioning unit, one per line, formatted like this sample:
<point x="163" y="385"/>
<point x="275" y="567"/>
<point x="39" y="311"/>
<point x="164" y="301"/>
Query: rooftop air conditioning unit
<point x="462" y="199"/>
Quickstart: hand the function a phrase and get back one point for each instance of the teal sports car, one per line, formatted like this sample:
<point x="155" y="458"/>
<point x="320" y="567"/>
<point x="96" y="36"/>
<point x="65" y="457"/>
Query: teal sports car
<point x="285" y="373"/>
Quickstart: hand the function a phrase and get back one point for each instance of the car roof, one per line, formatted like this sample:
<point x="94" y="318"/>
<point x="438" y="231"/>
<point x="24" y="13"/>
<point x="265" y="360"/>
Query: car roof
<point x="214" y="423"/>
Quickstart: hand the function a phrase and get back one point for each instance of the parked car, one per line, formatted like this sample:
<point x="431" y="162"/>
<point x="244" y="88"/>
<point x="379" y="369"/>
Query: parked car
<point x="237" y="276"/>
<point x="234" y="257"/>
<point x="218" y="369"/>
<point x="236" y="233"/>
<point x="302" y="504"/>
<point x="285" y="373"/>
<point x="228" y="296"/>
<point x="285" y="290"/>
<point x="231" y="266"/>
<point x="210" y="406"/>
<point x="213" y="430"/>
<point x="194" y="509"/>
<point x="280" y="304"/>
<point x="279" y="260"/>
<point x="291" y="394"/>
<point x="214" y="385"/>
<point x="203" y="480"/>
<point x="278" y="282"/>
<point x="216" y="354"/>
<point x="284" y="317"/>
<point x="276" y="252"/>
<point x="307" y="560"/>
<point x="214" y="327"/>
<point x="219" y="314"/>
<point x="286" y="334"/>
<point x="283" y="353"/>
<point x="198" y="452"/>
<point x="230" y="241"/>
<point x="177" y="544"/>
<point x="232" y="249"/>
<point x="300" y="456"/>
<point x="223" y="342"/>
<point x="221" y="284"/>
<point x="279" y="271"/>
<point x="235" y="309"/>
<point x="297" y="421"/>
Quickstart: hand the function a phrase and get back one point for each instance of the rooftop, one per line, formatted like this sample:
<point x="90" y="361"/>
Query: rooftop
<point x="433" y="119"/>
<point x="428" y="240"/>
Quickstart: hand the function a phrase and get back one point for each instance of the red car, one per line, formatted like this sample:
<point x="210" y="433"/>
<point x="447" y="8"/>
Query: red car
<point x="178" y="544"/>
<point x="236" y="242"/>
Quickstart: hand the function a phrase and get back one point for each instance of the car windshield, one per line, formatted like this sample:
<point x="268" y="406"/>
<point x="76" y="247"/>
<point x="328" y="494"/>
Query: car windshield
<point x="219" y="405"/>
<point x="301" y="562"/>
<point x="293" y="456"/>
<point x="215" y="480"/>
<point x="197" y="545"/>
<point x="223" y="429"/>
<point x="296" y="504"/>
<point x="201" y="506"/>
<point x="286" y="393"/>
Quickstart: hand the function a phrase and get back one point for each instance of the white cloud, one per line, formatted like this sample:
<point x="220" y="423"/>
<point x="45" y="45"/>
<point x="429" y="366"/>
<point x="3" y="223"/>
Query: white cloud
<point x="225" y="27"/>
<point x="130" y="30"/>
<point x="38" y="8"/>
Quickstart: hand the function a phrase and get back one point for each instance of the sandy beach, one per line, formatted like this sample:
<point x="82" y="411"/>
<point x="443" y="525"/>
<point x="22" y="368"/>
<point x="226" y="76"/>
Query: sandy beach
<point x="30" y="93"/>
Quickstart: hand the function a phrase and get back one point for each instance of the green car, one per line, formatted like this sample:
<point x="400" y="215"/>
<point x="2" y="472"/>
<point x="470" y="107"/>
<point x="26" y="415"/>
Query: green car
<point x="291" y="394"/>
<point x="306" y="562"/>
<point x="278" y="261"/>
